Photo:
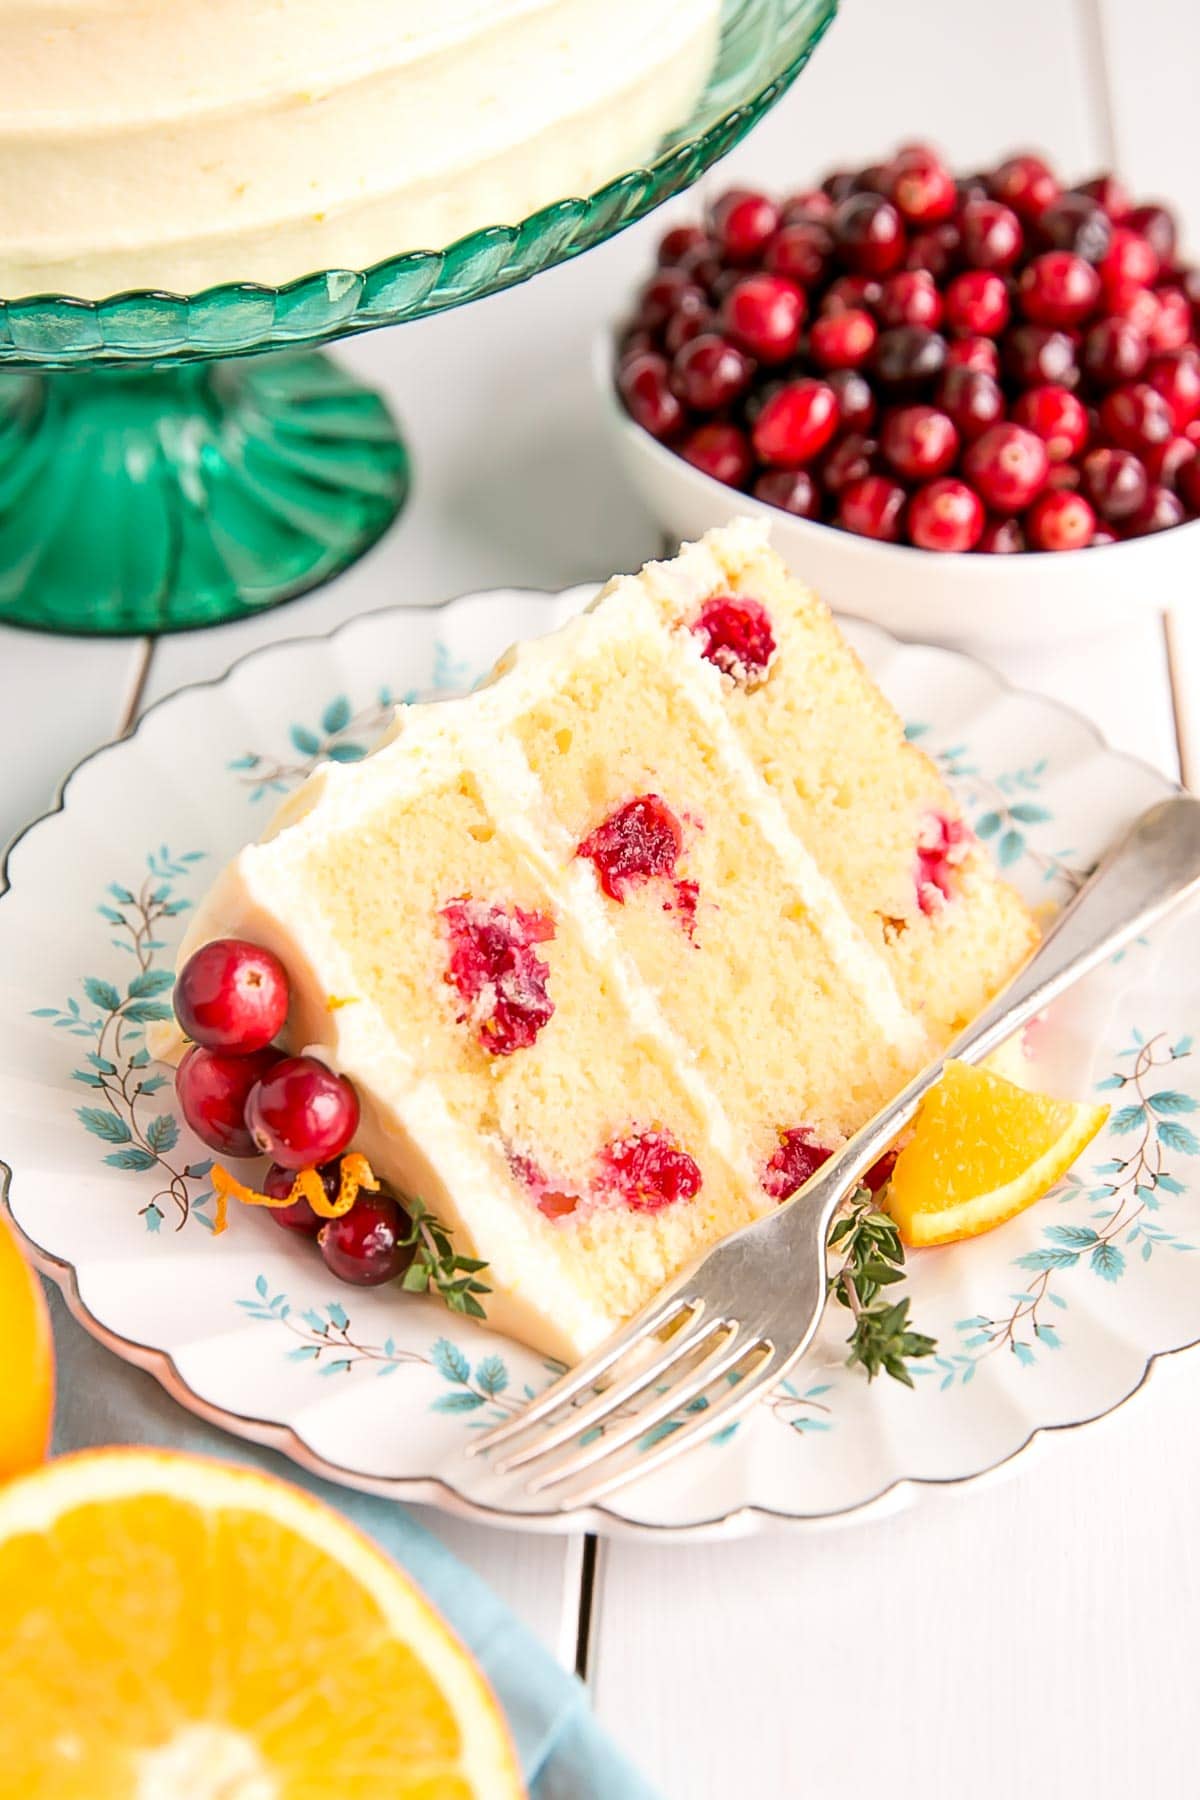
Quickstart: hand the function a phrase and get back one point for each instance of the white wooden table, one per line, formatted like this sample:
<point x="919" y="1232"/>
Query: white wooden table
<point x="1037" y="1633"/>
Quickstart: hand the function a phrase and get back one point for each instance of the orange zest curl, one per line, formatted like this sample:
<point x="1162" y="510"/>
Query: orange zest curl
<point x="356" y="1173"/>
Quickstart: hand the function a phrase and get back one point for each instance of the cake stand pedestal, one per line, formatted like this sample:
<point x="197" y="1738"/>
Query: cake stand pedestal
<point x="159" y="470"/>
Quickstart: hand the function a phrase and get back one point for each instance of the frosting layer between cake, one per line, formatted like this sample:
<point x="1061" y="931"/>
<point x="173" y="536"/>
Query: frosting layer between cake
<point x="783" y="961"/>
<point x="144" y="143"/>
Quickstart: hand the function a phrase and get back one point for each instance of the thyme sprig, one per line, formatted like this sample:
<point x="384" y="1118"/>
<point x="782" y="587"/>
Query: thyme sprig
<point x="874" y="1260"/>
<point x="437" y="1265"/>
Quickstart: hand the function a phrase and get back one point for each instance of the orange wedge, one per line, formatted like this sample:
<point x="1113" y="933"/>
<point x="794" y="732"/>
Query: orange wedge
<point x="983" y="1150"/>
<point x="171" y="1626"/>
<point x="26" y="1361"/>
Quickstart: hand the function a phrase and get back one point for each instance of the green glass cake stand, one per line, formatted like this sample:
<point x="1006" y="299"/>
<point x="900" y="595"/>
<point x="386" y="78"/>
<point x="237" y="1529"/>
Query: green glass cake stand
<point x="169" y="461"/>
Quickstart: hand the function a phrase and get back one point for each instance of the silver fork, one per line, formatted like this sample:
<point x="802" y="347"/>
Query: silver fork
<point x="744" y="1314"/>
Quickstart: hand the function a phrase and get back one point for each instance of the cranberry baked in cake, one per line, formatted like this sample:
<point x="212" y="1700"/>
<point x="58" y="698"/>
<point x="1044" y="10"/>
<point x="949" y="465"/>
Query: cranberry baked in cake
<point x="617" y="948"/>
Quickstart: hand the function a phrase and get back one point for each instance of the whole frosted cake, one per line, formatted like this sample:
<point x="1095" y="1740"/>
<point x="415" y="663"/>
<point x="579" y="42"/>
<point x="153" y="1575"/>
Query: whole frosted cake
<point x="615" y="949"/>
<point x="179" y="143"/>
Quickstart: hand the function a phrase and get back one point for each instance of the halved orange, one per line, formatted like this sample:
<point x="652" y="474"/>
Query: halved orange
<point x="26" y="1361"/>
<point x="171" y="1627"/>
<point x="982" y="1150"/>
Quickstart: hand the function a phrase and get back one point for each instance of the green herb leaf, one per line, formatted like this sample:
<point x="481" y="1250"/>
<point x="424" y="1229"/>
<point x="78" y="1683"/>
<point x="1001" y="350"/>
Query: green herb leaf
<point x="882" y="1340"/>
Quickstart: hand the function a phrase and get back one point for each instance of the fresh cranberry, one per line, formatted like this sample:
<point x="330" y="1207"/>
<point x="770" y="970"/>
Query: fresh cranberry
<point x="1059" y="419"/>
<point x="640" y="841"/>
<point x="796" y="423"/>
<point x="645" y="385"/>
<point x="855" y="399"/>
<point x="1110" y="193"/>
<point x="970" y="188"/>
<point x="838" y="184"/>
<point x="1159" y="512"/>
<point x="299" y="1215"/>
<point x="647" y="1170"/>
<point x="1115" y="483"/>
<point x="945" y="515"/>
<point x="1189" y="282"/>
<point x="796" y="1160"/>
<point x="1189" y="485"/>
<point x="1103" y="534"/>
<point x="972" y="401"/>
<point x="1064" y="475"/>
<point x="679" y="242"/>
<point x="852" y="293"/>
<point x="852" y="458"/>
<point x="364" y="1246"/>
<point x="908" y="356"/>
<point x="494" y="968"/>
<point x="1172" y="329"/>
<point x="919" y="442"/>
<point x="934" y="252"/>
<point x="1008" y="466"/>
<point x="634" y="340"/>
<point x="802" y="253"/>
<point x="721" y="451"/>
<point x="1130" y="258"/>
<point x="1026" y="184"/>
<point x="1076" y="222"/>
<point x="1136" y="416"/>
<point x="842" y="340"/>
<point x="744" y="224"/>
<point x="1157" y="225"/>
<point x="977" y="303"/>
<point x="703" y="265"/>
<point x="1058" y="288"/>
<point x="869" y="234"/>
<point x="683" y="327"/>
<point x="1138" y="305"/>
<point x="232" y="996"/>
<point x="1036" y="355"/>
<point x="975" y="353"/>
<point x="1001" y="537"/>
<point x="1060" y="520"/>
<point x="922" y="188"/>
<point x="302" y="1113"/>
<point x="808" y="203"/>
<point x="212" y="1089"/>
<point x="764" y="314"/>
<point x="910" y="298"/>
<point x="793" y="490"/>
<point x="734" y="633"/>
<point x="710" y="373"/>
<point x="872" y="508"/>
<point x="666" y="292"/>
<point x="1176" y="376"/>
<point x="1165" y="463"/>
<point x="1114" y="351"/>
<point x="875" y="178"/>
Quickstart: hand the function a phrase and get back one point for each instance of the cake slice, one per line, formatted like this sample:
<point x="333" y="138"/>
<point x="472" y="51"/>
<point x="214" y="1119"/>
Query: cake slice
<point x="616" y="948"/>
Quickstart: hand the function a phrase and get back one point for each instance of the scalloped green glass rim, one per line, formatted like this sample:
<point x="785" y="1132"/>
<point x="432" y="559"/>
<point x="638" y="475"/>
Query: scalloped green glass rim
<point x="764" y="46"/>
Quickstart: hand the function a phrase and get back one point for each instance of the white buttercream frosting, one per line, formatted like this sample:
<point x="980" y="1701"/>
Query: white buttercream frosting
<point x="150" y="143"/>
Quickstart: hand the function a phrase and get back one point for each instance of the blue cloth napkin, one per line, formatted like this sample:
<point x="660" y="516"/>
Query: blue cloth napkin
<point x="563" y="1752"/>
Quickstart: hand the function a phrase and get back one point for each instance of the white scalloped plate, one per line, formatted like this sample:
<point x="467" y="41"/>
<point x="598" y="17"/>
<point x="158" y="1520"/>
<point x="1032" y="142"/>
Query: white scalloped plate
<point x="1048" y="1322"/>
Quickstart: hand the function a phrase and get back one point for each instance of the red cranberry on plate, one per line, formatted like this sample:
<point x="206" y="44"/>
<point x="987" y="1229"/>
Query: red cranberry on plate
<point x="850" y="458"/>
<point x="1114" y="350"/>
<point x="977" y="303"/>
<point x="1160" y="511"/>
<point x="1002" y="537"/>
<point x="1172" y="329"/>
<point x="1058" y="288"/>
<point x="679" y="242"/>
<point x="802" y="253"/>
<point x="1189" y="485"/>
<point x="1076" y="222"/>
<point x="853" y="293"/>
<point x="364" y="1245"/>
<point x="1110" y="193"/>
<point x="298" y="1215"/>
<point x="910" y="297"/>
<point x="945" y="515"/>
<point x="1136" y="416"/>
<point x="922" y="188"/>
<point x="975" y="353"/>
<point x="935" y="251"/>
<point x="856" y="399"/>
<point x="213" y="1087"/>
<point x="793" y="490"/>
<point x="1008" y="466"/>
<point x="1165" y="463"/>
<point x="1130" y="258"/>
<point x="1035" y="355"/>
<point x="232" y="996"/>
<point x="872" y="508"/>
<point x="1157" y="225"/>
<point x="301" y="1113"/>
<point x="842" y="340"/>
<point x="971" y="400"/>
<point x="1026" y="184"/>
<point x="1060" y="520"/>
<point x="710" y="372"/>
<point x="906" y="357"/>
<point x="683" y="327"/>
<point x="666" y="292"/>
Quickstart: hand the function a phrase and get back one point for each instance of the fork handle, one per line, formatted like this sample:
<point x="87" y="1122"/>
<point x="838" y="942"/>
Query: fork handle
<point x="1150" y="871"/>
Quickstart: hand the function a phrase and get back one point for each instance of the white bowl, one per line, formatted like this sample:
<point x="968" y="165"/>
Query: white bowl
<point x="950" y="599"/>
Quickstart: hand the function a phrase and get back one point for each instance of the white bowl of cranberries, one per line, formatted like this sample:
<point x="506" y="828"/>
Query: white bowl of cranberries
<point x="929" y="387"/>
